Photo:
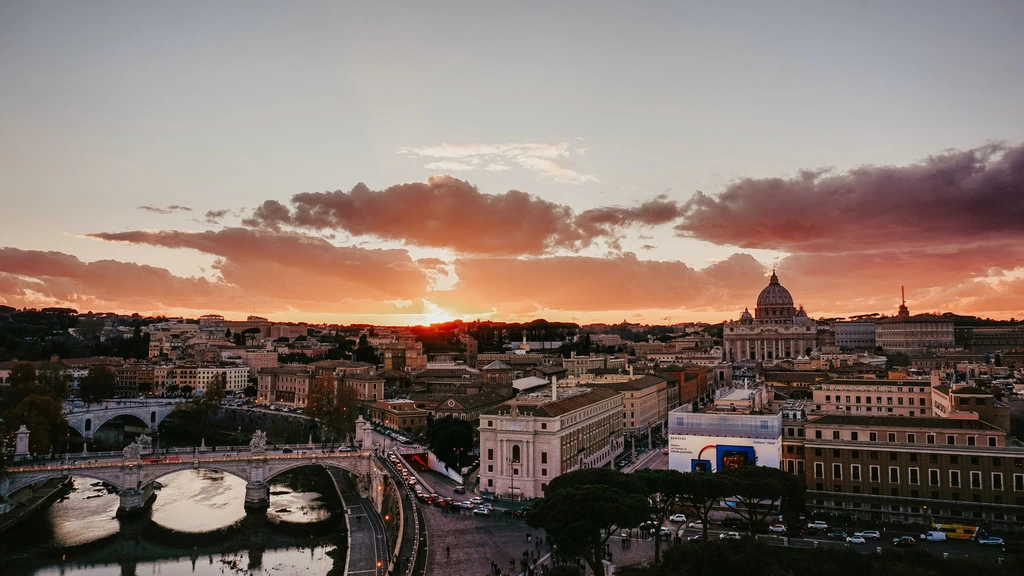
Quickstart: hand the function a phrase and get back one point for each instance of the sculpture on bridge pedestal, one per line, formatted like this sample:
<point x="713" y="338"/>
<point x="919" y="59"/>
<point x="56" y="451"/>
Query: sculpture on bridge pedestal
<point x="132" y="451"/>
<point x="258" y="444"/>
<point x="145" y="443"/>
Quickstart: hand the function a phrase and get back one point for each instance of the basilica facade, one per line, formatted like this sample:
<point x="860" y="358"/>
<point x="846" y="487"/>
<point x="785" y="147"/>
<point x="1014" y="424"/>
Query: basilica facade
<point x="777" y="329"/>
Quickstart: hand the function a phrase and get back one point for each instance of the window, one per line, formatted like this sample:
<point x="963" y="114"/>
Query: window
<point x="972" y="440"/>
<point x="819" y="470"/>
<point x="835" y="434"/>
<point x="875" y="473"/>
<point x="837" y="471"/>
<point x="543" y="471"/>
<point x="835" y="453"/>
<point x="933" y="477"/>
<point x="913" y="477"/>
<point x="921" y="403"/>
<point x="933" y="458"/>
<point x="490" y="482"/>
<point x="911" y="438"/>
<point x="853" y="436"/>
<point x="975" y="479"/>
<point x="490" y="452"/>
<point x="490" y="423"/>
<point x="817" y="434"/>
<point x="931" y="439"/>
<point x="516" y="451"/>
<point x="954" y="479"/>
<point x="894" y="474"/>
<point x="828" y="397"/>
<point x="892" y="436"/>
<point x="1018" y="482"/>
<point x="817" y="451"/>
<point x="874" y="455"/>
<point x="950" y="439"/>
<point x="992" y="441"/>
<point x="997" y="481"/>
<point x="873" y="437"/>
<point x="855" y="472"/>
<point x="543" y="457"/>
<point x="490" y="467"/>
<point x="543" y="425"/>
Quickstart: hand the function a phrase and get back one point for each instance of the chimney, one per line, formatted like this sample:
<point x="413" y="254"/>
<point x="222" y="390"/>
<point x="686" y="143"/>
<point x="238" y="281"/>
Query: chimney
<point x="630" y="370"/>
<point x="554" y="388"/>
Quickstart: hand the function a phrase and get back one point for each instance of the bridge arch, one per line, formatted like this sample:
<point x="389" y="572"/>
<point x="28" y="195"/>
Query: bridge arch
<point x="351" y="468"/>
<point x="21" y="481"/>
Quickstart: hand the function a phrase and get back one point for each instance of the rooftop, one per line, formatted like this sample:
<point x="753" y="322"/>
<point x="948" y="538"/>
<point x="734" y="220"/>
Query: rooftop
<point x="550" y="409"/>
<point x="901" y="422"/>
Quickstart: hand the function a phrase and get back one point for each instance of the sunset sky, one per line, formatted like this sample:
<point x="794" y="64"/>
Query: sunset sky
<point x="410" y="162"/>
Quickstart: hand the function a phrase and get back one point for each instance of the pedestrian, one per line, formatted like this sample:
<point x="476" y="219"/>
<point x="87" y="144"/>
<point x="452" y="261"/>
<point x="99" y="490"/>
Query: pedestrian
<point x="527" y="536"/>
<point x="447" y="551"/>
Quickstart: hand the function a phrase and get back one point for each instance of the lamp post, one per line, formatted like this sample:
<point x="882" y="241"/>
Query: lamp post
<point x="512" y="478"/>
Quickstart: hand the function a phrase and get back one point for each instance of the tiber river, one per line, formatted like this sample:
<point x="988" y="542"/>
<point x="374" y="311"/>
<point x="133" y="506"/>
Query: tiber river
<point x="197" y="526"/>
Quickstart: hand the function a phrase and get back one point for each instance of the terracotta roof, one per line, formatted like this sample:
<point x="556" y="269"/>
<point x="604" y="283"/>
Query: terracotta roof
<point x="971" y="390"/>
<point x="634" y="384"/>
<point x="474" y="401"/>
<point x="558" y="407"/>
<point x="549" y="369"/>
<point x="497" y="365"/>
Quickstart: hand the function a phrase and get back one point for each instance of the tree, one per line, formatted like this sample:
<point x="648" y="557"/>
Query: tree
<point x="581" y="509"/>
<point x="216" y="389"/>
<point x="44" y="417"/>
<point x="187" y="390"/>
<point x="662" y="490"/>
<point x="249" y="392"/>
<point x="227" y="333"/>
<point x="55" y="377"/>
<point x="342" y="420"/>
<point x="759" y="488"/>
<point x="22" y="374"/>
<point x="98" y="384"/>
<point x="701" y="491"/>
<point x="450" y="439"/>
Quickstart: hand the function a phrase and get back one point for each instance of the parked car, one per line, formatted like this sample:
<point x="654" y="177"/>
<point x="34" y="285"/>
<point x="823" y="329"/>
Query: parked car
<point x="476" y="500"/>
<point x="467" y="504"/>
<point x="697" y="525"/>
<point x="855" y="539"/>
<point x="992" y="541"/>
<point x="287" y="450"/>
<point x="869" y="534"/>
<point x="837" y="535"/>
<point x="482" y="511"/>
<point x="730" y="536"/>
<point x="677" y="518"/>
<point x="460" y="489"/>
<point x="665" y="531"/>
<point x="818" y="525"/>
<point x="904" y="542"/>
<point x="777" y="529"/>
<point x="488" y="497"/>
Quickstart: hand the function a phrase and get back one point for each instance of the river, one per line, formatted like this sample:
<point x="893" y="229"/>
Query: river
<point x="196" y="526"/>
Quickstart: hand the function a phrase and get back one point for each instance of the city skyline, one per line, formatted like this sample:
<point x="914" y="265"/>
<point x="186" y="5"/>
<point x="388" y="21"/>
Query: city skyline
<point x="392" y="165"/>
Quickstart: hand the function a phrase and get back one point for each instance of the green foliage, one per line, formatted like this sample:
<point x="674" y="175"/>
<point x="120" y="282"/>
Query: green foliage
<point x="662" y="489"/>
<point x="187" y="390"/>
<point x="55" y="377"/>
<point x="249" y="391"/>
<point x="580" y="510"/>
<point x="336" y="407"/>
<point x="44" y="417"/>
<point x="98" y="384"/>
<point x="451" y="440"/>
<point x="758" y="488"/>
<point x="701" y="491"/>
<point x="22" y="374"/>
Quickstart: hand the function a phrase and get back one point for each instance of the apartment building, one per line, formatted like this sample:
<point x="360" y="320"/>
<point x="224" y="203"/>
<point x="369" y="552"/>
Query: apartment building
<point x="199" y="377"/>
<point x="902" y="469"/>
<point x="526" y="442"/>
<point x="401" y="414"/>
<point x="913" y="334"/>
<point x="644" y="399"/>
<point x="911" y="397"/>
<point x="133" y="379"/>
<point x="289" y="384"/>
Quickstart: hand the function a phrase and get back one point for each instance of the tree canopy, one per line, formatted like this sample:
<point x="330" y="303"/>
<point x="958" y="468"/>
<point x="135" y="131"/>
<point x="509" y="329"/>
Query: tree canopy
<point x="451" y="439"/>
<point x="98" y="384"/>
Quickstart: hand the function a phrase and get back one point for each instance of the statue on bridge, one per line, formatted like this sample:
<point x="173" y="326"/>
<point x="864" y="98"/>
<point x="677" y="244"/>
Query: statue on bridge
<point x="133" y="451"/>
<point x="258" y="444"/>
<point x="145" y="442"/>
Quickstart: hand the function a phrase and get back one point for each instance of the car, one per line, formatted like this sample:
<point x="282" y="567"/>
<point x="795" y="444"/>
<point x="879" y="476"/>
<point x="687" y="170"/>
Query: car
<point x="677" y="518"/>
<point x="476" y="500"/>
<point x="904" y="542"/>
<point x="665" y="531"/>
<point x="286" y="450"/>
<point x="869" y="534"/>
<point x="466" y="504"/>
<point x="699" y="538"/>
<point x="482" y="511"/>
<point x="488" y="497"/>
<point x="855" y="539"/>
<point x="818" y="525"/>
<point x="837" y="535"/>
<point x="992" y="541"/>
<point x="729" y="536"/>
<point x="460" y="489"/>
<point x="697" y="525"/>
<point x="934" y="536"/>
<point x="664" y="450"/>
<point x="777" y="529"/>
<point x="646" y="526"/>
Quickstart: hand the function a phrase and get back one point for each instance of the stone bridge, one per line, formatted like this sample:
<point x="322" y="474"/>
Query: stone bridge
<point x="133" y="471"/>
<point x="87" y="418"/>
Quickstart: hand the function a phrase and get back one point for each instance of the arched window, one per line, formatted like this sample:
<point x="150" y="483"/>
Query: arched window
<point x="88" y="424"/>
<point x="515" y="453"/>
<point x="152" y="417"/>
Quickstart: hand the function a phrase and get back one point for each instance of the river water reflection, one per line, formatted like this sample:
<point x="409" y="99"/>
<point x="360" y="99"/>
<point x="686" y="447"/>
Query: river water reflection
<point x="197" y="526"/>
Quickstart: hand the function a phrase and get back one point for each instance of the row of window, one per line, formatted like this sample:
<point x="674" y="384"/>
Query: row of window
<point x="909" y="437"/>
<point x="878" y="400"/>
<point x="914" y="478"/>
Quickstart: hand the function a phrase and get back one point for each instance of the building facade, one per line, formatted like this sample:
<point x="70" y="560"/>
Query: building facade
<point x="526" y="443"/>
<point x="854" y="335"/>
<point x="289" y="384"/>
<point x="776" y="330"/>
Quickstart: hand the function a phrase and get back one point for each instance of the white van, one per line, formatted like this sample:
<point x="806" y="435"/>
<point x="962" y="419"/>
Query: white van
<point x="933" y="536"/>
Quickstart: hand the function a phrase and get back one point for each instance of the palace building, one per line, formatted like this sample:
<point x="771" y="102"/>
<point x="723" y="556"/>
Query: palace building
<point x="775" y="331"/>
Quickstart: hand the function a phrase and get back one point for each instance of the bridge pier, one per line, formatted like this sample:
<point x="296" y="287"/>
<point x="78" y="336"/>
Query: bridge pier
<point x="135" y="500"/>
<point x="257" y="496"/>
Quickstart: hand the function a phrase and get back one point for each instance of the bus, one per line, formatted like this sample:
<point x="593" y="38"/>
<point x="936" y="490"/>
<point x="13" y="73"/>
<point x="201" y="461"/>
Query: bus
<point x="956" y="531"/>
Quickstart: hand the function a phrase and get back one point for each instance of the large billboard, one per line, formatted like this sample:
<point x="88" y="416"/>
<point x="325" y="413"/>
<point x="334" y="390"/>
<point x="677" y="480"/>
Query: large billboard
<point x="688" y="453"/>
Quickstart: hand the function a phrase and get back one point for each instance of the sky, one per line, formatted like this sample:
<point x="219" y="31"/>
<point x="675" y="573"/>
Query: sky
<point x="408" y="162"/>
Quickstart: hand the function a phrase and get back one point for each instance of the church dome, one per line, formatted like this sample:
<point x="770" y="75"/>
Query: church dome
<point x="746" y="315"/>
<point x="774" y="302"/>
